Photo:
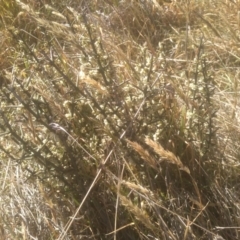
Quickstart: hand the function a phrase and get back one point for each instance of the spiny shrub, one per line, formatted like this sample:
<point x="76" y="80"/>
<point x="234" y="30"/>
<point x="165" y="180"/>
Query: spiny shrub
<point x="92" y="94"/>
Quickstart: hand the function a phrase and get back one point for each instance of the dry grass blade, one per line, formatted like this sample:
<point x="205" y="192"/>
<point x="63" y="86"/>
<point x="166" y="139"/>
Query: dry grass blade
<point x="166" y="155"/>
<point x="143" y="153"/>
<point x="82" y="83"/>
<point x="139" y="214"/>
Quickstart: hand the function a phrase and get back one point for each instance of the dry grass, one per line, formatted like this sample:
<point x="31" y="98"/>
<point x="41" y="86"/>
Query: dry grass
<point x="119" y="119"/>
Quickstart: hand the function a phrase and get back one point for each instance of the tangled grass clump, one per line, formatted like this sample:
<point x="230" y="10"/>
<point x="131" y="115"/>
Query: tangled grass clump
<point x="119" y="120"/>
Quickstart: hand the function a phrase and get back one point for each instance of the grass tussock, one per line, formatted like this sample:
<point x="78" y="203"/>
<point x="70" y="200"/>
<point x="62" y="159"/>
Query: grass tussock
<point x="119" y="119"/>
